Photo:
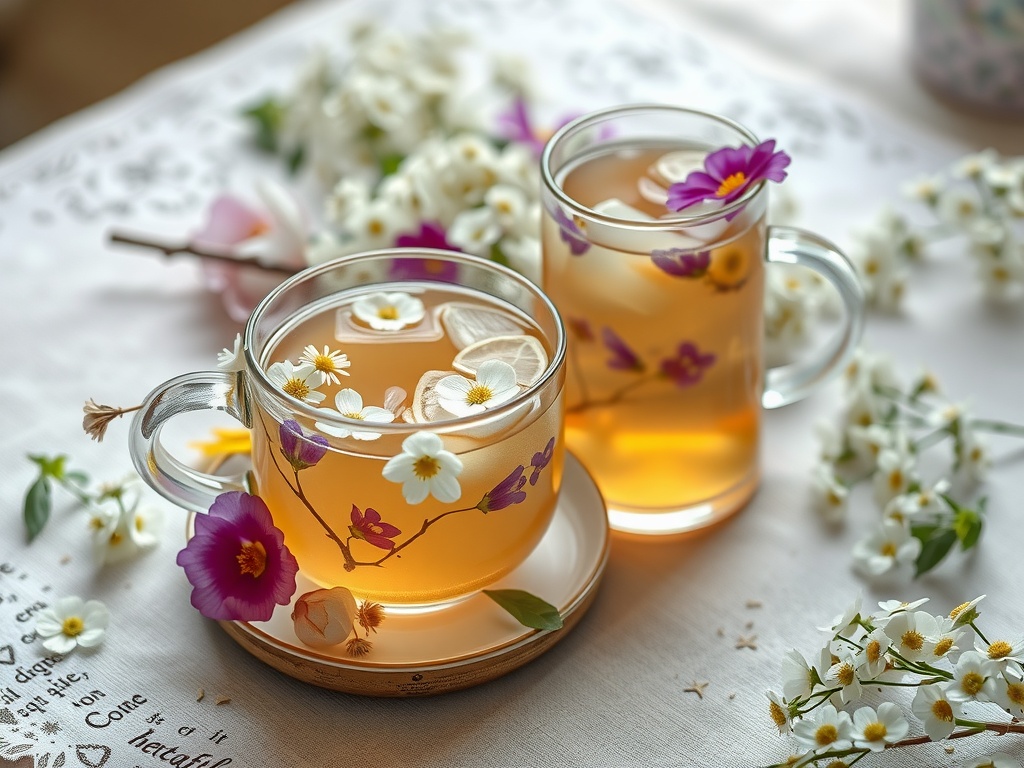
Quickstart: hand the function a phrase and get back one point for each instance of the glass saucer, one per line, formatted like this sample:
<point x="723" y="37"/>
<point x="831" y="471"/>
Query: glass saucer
<point x="472" y="642"/>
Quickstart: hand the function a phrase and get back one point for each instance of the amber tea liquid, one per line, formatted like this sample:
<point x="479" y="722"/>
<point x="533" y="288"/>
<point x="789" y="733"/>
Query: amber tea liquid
<point x="461" y="552"/>
<point x="669" y="432"/>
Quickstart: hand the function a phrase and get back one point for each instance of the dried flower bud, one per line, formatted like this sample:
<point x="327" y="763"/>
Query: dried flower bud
<point x="97" y="417"/>
<point x="358" y="647"/>
<point x="370" y="616"/>
<point x="324" y="617"/>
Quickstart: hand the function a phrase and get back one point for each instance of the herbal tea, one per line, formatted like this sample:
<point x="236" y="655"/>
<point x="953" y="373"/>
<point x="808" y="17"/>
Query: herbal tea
<point x="428" y="513"/>
<point x="664" y="329"/>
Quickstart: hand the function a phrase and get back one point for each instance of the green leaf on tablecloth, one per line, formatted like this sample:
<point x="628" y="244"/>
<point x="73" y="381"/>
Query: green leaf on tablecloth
<point x="37" y="506"/>
<point x="934" y="548"/>
<point x="528" y="609"/>
<point x="267" y="117"/>
<point x="50" y="467"/>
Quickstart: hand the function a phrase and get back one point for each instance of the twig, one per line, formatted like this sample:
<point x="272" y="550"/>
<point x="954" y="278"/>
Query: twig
<point x="169" y="250"/>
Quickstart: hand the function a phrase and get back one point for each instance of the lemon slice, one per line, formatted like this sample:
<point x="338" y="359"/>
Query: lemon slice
<point x="524" y="353"/>
<point x="425" y="405"/>
<point x="466" y="324"/>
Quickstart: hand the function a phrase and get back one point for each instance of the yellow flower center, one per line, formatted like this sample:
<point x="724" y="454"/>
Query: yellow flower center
<point x="846" y="675"/>
<point x="1000" y="649"/>
<point x="1015" y="693"/>
<point x="865" y="419"/>
<point x="942" y="647"/>
<point x="778" y="716"/>
<point x="837" y="764"/>
<point x="834" y="499"/>
<point x="958" y="610"/>
<point x="479" y="395"/>
<point x="871" y="267"/>
<point x="942" y="711"/>
<point x="912" y="639"/>
<point x="388" y="313"/>
<point x="354" y="415"/>
<point x="888" y="549"/>
<point x="96" y="523"/>
<point x="296" y="388"/>
<point x="72" y="626"/>
<point x="425" y="467"/>
<point x="972" y="683"/>
<point x="873" y="651"/>
<point x="895" y="480"/>
<point x="977" y="454"/>
<point x="374" y="227"/>
<point x="875" y="732"/>
<point x="115" y="539"/>
<point x="252" y="558"/>
<point x="324" y="363"/>
<point x="731" y="183"/>
<point x="826" y="734"/>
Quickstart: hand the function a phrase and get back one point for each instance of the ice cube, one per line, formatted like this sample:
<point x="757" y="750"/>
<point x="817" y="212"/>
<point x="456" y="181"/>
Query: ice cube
<point x="631" y="240"/>
<point x="676" y="166"/>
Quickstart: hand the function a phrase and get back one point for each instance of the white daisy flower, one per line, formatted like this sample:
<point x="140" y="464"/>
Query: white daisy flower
<point x="864" y="410"/>
<point x="495" y="384"/>
<point x="871" y="661"/>
<point x="71" y="622"/>
<point x="830" y="495"/>
<point x="873" y="730"/>
<point x="924" y="501"/>
<point x="1002" y="649"/>
<point x="895" y="471"/>
<point x="111" y="540"/>
<point x="376" y="224"/>
<point x="120" y="526"/>
<point x="844" y="674"/>
<point x="973" y="166"/>
<point x="348" y="196"/>
<point x="779" y="712"/>
<point x="890" y="607"/>
<point x="889" y="546"/>
<point x="909" y="633"/>
<point x="232" y="360"/>
<point x="475" y="230"/>
<point x="798" y="677"/>
<point x="973" y="679"/>
<point x="389" y="311"/>
<point x="510" y="207"/>
<point x="960" y="206"/>
<point x="349" y="404"/>
<point x="833" y="443"/>
<point x="425" y="468"/>
<point x="299" y="381"/>
<point x="944" y="641"/>
<point x="1001" y="276"/>
<point x="973" y="456"/>
<point x="828" y="729"/>
<point x="965" y="613"/>
<point x="330" y="364"/>
<point x="1008" y="692"/>
<point x="144" y="526"/>
<point x="846" y="623"/>
<point x="925" y="189"/>
<point x="935" y="711"/>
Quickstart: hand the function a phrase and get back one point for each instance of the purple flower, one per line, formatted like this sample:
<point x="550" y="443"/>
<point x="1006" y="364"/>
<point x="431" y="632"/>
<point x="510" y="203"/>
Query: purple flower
<point x="506" y="493"/>
<point x="514" y="124"/>
<point x="236" y="562"/>
<point x="623" y="358"/>
<point x="302" y="451"/>
<point x="431" y="235"/>
<point x="371" y="529"/>
<point x="688" y="366"/>
<point x="540" y="460"/>
<point x="728" y="173"/>
<point x="570" y="233"/>
<point x="580" y="328"/>
<point x="680" y="262"/>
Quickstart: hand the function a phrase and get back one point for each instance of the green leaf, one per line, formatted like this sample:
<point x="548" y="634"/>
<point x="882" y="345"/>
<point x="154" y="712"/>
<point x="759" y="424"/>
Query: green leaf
<point x="267" y="117"/>
<point x="389" y="163"/>
<point x="968" y="528"/>
<point x="498" y="255"/>
<point x="77" y="477"/>
<point x="934" y="549"/>
<point x="295" y="159"/>
<point x="529" y="610"/>
<point x="50" y="467"/>
<point x="37" y="506"/>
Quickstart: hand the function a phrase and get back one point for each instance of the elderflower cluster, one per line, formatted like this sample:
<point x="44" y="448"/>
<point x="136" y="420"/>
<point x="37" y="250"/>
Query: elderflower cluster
<point x="980" y="201"/>
<point x="462" y="193"/>
<point x="348" y="117"/>
<point x="885" y="431"/>
<point x="956" y="671"/>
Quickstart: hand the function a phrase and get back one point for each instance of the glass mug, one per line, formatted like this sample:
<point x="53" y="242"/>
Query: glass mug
<point x="402" y="502"/>
<point x="663" y="312"/>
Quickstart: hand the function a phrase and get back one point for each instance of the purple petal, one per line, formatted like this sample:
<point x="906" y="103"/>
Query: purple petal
<point x="289" y="432"/>
<point x="698" y="186"/>
<point x="680" y="262"/>
<point x="623" y="358"/>
<point x="726" y="161"/>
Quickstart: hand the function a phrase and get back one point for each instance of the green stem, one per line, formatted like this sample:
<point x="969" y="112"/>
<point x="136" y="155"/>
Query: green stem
<point x="980" y="635"/>
<point x="1000" y="427"/>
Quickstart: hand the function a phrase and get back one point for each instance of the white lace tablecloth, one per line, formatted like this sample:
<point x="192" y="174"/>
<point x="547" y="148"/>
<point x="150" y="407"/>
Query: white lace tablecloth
<point x="82" y="319"/>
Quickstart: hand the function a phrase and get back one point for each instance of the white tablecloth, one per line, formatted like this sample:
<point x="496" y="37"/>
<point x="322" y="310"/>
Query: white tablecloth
<point x="830" y="81"/>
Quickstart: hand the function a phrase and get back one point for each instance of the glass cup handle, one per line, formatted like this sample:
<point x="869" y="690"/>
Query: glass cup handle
<point x="176" y="481"/>
<point x="789" y="245"/>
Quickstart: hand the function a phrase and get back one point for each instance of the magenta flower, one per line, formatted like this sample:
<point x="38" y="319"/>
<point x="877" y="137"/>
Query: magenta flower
<point x="680" y="262"/>
<point x="570" y="233"/>
<point x="623" y="358"/>
<point x="506" y="493"/>
<point x="728" y="173"/>
<point x="236" y="562"/>
<point x="515" y="125"/>
<point x="302" y="451"/>
<point x="688" y="366"/>
<point x="540" y="460"/>
<point x="431" y="235"/>
<point x="371" y="529"/>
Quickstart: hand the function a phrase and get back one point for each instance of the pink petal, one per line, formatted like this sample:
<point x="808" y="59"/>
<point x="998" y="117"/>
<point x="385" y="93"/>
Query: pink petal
<point x="230" y="221"/>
